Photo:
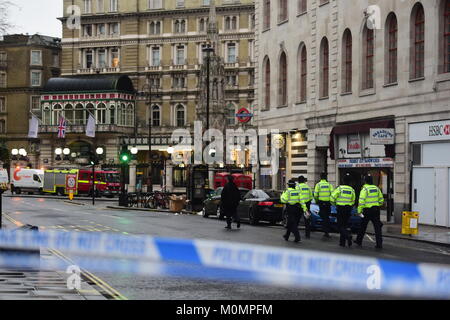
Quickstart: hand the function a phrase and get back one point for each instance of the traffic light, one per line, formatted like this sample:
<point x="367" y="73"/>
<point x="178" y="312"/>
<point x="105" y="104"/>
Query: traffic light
<point x="125" y="156"/>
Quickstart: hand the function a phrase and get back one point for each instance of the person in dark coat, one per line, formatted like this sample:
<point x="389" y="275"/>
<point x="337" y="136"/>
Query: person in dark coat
<point x="230" y="199"/>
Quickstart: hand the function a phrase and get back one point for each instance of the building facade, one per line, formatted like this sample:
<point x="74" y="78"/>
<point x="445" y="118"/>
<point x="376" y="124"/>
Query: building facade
<point x="26" y="63"/>
<point x="159" y="45"/>
<point x="350" y="84"/>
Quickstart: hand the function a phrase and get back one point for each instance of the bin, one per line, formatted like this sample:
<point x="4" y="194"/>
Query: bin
<point x="177" y="204"/>
<point x="410" y="223"/>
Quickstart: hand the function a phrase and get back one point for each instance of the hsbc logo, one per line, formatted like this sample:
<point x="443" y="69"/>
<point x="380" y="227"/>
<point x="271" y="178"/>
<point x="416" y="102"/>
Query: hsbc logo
<point x="439" y="130"/>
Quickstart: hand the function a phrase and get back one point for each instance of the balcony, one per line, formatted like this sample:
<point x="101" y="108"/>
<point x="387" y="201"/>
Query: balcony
<point x="98" y="70"/>
<point x="81" y="129"/>
<point x="100" y="37"/>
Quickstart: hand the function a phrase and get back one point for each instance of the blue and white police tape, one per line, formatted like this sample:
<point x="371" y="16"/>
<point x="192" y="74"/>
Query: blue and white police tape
<point x="206" y="259"/>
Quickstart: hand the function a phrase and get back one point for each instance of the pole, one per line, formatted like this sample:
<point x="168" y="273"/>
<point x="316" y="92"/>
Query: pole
<point x="93" y="184"/>
<point x="1" y="209"/>
<point x="207" y="89"/>
<point x="150" y="124"/>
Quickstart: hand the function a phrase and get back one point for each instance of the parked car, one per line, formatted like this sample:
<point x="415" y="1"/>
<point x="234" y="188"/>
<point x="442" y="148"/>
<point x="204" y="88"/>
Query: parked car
<point x="317" y="221"/>
<point x="212" y="207"/>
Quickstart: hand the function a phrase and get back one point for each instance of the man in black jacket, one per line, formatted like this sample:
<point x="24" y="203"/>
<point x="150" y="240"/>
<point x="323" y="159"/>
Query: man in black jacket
<point x="230" y="199"/>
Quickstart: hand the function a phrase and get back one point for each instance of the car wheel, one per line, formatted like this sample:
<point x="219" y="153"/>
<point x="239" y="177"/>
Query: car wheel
<point x="251" y="216"/>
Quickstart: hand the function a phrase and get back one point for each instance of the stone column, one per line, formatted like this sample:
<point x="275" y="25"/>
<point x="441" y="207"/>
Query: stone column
<point x="132" y="185"/>
<point x="169" y="176"/>
<point x="211" y="176"/>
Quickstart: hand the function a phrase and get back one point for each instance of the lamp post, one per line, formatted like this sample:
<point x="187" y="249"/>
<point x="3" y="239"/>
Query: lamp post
<point x="208" y="50"/>
<point x="170" y="151"/>
<point x="94" y="161"/>
<point x="147" y="89"/>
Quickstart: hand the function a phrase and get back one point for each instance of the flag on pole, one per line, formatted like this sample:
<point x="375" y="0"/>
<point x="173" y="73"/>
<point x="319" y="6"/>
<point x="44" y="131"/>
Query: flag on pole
<point x="90" y="128"/>
<point x="62" y="128"/>
<point x="34" y="127"/>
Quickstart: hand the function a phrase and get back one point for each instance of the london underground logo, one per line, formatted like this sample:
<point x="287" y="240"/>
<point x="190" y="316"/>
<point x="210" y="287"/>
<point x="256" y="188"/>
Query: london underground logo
<point x="447" y="130"/>
<point x="244" y="115"/>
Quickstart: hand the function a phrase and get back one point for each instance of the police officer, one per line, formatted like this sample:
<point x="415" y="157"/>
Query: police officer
<point x="306" y="196"/>
<point x="322" y="195"/>
<point x="344" y="199"/>
<point x="294" y="205"/>
<point x="370" y="200"/>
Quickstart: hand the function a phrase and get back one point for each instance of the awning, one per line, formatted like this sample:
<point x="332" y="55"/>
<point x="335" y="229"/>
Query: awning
<point x="362" y="127"/>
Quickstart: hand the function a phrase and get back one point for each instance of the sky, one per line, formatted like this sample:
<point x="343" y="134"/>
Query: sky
<point x="36" y="16"/>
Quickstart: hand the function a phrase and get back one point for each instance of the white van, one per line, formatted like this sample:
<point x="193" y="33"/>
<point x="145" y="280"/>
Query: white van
<point x="27" y="180"/>
<point x="4" y="181"/>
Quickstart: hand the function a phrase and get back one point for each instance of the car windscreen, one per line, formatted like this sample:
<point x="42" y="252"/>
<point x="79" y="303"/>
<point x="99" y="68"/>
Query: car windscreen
<point x="260" y="194"/>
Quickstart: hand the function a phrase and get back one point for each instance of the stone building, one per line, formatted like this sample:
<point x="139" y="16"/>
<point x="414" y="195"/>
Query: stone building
<point x="26" y="63"/>
<point x="159" y="45"/>
<point x="361" y="87"/>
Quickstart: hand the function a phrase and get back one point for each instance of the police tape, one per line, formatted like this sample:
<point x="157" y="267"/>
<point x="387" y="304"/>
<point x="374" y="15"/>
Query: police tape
<point x="205" y="259"/>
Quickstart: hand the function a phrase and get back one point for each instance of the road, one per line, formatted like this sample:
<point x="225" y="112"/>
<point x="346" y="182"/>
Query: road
<point x="51" y="214"/>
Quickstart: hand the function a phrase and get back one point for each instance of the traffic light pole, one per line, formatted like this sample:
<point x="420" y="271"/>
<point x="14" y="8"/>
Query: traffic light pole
<point x="93" y="184"/>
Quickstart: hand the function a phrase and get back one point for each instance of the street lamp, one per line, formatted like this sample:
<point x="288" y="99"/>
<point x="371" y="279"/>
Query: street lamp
<point x="134" y="151"/>
<point x="208" y="50"/>
<point x="23" y="152"/>
<point x="94" y="161"/>
<point x="147" y="89"/>
<point x="58" y="151"/>
<point x="15" y="152"/>
<point x="100" y="151"/>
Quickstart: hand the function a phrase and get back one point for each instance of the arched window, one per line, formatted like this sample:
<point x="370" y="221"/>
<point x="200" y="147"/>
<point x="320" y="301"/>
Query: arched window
<point x="368" y="57"/>
<point x="180" y="116"/>
<point x="417" y="42"/>
<point x="79" y="114"/>
<point x="47" y="118"/>
<point x="156" y="116"/>
<point x="303" y="72"/>
<point x="124" y="114"/>
<point x="90" y="109"/>
<point x="324" y="68"/>
<point x="112" y="114"/>
<point x="119" y="114"/>
<point x="266" y="17"/>
<point x="347" y="61"/>
<point x="391" y="48"/>
<point x="130" y="116"/>
<point x="267" y="83"/>
<point x="69" y="114"/>
<point x="445" y="36"/>
<point x="282" y="83"/>
<point x="101" y="113"/>
<point x="57" y="112"/>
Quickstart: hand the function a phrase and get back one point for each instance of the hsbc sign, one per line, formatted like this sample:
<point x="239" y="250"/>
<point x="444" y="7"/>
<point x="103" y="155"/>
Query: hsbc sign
<point x="429" y="131"/>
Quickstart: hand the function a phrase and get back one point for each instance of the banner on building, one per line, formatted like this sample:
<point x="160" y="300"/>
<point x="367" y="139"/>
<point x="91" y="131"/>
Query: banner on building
<point x="34" y="127"/>
<point x="90" y="128"/>
<point x="366" y="163"/>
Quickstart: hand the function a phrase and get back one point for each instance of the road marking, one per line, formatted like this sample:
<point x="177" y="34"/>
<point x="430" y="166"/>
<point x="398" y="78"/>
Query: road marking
<point x="370" y="238"/>
<point x="17" y="223"/>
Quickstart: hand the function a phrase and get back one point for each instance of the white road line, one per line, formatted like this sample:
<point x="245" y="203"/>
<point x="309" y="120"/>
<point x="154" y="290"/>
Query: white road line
<point x="370" y="238"/>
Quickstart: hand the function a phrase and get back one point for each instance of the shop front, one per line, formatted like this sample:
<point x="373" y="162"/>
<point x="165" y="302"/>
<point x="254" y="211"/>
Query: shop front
<point x="430" y="156"/>
<point x="366" y="149"/>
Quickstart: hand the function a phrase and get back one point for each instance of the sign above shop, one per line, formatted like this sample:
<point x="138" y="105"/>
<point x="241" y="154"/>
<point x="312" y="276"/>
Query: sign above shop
<point x="382" y="136"/>
<point x="366" y="163"/>
<point x="429" y="131"/>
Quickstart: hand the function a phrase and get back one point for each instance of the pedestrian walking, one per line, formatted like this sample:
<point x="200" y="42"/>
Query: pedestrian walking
<point x="344" y="199"/>
<point x="322" y="195"/>
<point x="370" y="201"/>
<point x="230" y="199"/>
<point x="294" y="208"/>
<point x="306" y="196"/>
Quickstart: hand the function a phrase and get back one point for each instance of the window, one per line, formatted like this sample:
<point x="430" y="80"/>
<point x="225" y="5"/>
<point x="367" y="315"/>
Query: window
<point x="3" y="59"/>
<point x="303" y="63"/>
<point x="179" y="26"/>
<point x="368" y="58"/>
<point x="2" y="126"/>
<point x="231" y="53"/>
<point x="180" y="116"/>
<point x="100" y="6"/>
<point x="179" y="81"/>
<point x="2" y="104"/>
<point x="391" y="46"/>
<point x="87" y="30"/>
<point x="156" y="116"/>
<point x="89" y="59"/>
<point x="231" y="80"/>
<point x="347" y="62"/>
<point x="155" y="4"/>
<point x="155" y="27"/>
<point x="90" y="109"/>
<point x="155" y="57"/>
<point x="324" y="63"/>
<point x="267" y="83"/>
<point x="115" y="60"/>
<point x="252" y="22"/>
<point x="79" y="114"/>
<point x="2" y="80"/>
<point x="113" y="7"/>
<point x="101" y="29"/>
<point x="57" y="112"/>
<point x="282" y="83"/>
<point x="231" y="115"/>
<point x="230" y="23"/>
<point x="418" y="42"/>
<point x="56" y="59"/>
<point x="112" y="114"/>
<point x="35" y="103"/>
<point x="179" y="55"/>
<point x="302" y="6"/>
<point x="282" y="10"/>
<point x="114" y="28"/>
<point x="69" y="114"/>
<point x="35" y="78"/>
<point x="101" y="113"/>
<point x="101" y="58"/>
<point x="180" y="3"/>
<point x="87" y="6"/>
<point x="445" y="34"/>
<point x="202" y="24"/>
<point x="266" y="11"/>
<point x="36" y="58"/>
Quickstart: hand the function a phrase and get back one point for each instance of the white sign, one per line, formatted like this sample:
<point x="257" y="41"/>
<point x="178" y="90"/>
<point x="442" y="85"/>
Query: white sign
<point x="353" y="144"/>
<point x="382" y="136"/>
<point x="366" y="163"/>
<point x="266" y="171"/>
<point x="429" y="131"/>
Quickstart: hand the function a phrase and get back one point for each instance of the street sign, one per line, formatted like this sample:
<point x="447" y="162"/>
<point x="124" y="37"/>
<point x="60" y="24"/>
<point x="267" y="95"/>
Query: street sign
<point x="244" y="115"/>
<point x="71" y="183"/>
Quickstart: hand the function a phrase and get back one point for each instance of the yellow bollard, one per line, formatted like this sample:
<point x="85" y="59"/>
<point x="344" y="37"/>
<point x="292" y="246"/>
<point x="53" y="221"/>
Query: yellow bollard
<point x="70" y="195"/>
<point x="410" y="223"/>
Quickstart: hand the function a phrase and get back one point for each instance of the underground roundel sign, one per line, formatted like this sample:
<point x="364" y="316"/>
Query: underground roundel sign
<point x="244" y="115"/>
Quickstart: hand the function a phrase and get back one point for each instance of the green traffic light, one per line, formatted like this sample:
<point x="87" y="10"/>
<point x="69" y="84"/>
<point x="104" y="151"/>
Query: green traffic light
<point x="125" y="158"/>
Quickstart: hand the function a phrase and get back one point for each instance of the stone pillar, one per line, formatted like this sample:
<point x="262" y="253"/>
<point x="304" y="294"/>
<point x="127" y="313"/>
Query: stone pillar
<point x="132" y="185"/>
<point x="211" y="176"/>
<point x="169" y="176"/>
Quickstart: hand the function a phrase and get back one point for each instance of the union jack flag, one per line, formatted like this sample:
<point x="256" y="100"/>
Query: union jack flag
<point x="62" y="128"/>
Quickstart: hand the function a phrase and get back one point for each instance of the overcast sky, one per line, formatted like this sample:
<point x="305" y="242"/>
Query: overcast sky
<point x="36" y="16"/>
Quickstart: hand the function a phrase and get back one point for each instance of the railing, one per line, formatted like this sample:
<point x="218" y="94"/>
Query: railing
<point x="101" y="37"/>
<point x="82" y="128"/>
<point x="98" y="70"/>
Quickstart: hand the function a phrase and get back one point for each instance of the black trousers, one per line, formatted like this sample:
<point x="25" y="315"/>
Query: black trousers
<point x="371" y="214"/>
<point x="343" y="216"/>
<point x="232" y="215"/>
<point x="307" y="221"/>
<point x="293" y="219"/>
<point x="324" y="213"/>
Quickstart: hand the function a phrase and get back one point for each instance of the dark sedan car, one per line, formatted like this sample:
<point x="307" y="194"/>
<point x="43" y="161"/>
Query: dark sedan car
<point x="255" y="206"/>
<point x="212" y="207"/>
